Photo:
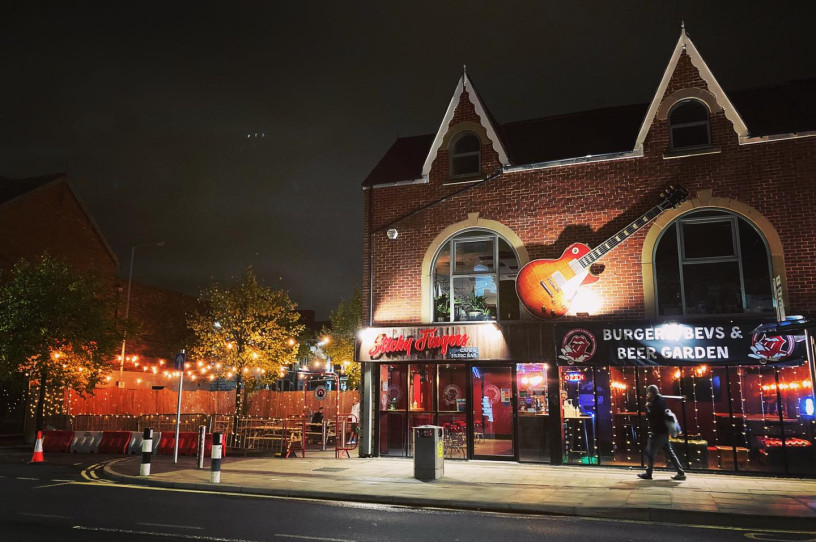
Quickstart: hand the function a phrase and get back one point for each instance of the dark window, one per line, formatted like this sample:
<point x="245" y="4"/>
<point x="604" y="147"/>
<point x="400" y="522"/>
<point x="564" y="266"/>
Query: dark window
<point x="712" y="262"/>
<point x="689" y="126"/>
<point x="465" y="155"/>
<point x="480" y="285"/>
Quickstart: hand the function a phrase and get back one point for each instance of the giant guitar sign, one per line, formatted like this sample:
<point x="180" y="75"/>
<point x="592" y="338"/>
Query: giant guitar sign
<point x="547" y="287"/>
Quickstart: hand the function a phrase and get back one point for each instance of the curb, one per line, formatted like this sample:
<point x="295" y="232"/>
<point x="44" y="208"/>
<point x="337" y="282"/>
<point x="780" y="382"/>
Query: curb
<point x="628" y="513"/>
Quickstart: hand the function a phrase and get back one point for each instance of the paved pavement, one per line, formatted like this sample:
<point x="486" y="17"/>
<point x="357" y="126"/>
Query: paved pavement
<point x="703" y="499"/>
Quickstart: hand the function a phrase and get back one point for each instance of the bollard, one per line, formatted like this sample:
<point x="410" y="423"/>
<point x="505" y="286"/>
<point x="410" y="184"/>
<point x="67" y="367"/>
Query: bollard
<point x="147" y="451"/>
<point x="202" y="441"/>
<point x="215" y="464"/>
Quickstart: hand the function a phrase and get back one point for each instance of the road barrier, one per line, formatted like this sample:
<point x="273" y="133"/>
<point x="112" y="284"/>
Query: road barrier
<point x="57" y="441"/>
<point x="86" y="442"/>
<point x="114" y="442"/>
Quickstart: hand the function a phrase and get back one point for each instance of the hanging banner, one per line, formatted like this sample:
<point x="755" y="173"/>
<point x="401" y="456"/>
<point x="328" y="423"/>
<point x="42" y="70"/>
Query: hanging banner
<point x="715" y="342"/>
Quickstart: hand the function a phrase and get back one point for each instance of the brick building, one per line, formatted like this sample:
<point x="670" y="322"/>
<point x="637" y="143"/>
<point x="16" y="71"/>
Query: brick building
<point x="43" y="214"/>
<point x="541" y="362"/>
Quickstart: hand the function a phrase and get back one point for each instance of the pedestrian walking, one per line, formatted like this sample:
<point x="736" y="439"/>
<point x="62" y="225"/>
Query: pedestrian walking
<point x="659" y="434"/>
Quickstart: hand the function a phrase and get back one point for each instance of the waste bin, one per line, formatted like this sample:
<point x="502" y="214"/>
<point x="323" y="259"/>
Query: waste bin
<point x="429" y="452"/>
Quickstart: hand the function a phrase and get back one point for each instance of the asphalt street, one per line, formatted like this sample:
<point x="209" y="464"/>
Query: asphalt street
<point x="69" y="501"/>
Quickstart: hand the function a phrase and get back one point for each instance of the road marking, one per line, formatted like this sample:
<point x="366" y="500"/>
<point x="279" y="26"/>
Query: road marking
<point x="166" y="535"/>
<point x="173" y="526"/>
<point x="43" y="515"/>
<point x="54" y="485"/>
<point x="767" y="537"/>
<point x="25" y="478"/>
<point x="201" y="537"/>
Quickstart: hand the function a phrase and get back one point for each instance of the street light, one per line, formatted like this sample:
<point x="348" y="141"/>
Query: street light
<point x="133" y="248"/>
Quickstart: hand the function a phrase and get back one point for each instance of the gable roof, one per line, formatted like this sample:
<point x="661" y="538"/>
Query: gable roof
<point x="16" y="190"/>
<point x="684" y="44"/>
<point x="485" y="119"/>
<point x="11" y="189"/>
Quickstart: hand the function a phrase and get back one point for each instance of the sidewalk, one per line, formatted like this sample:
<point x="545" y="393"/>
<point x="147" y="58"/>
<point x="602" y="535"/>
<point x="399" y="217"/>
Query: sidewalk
<point x="703" y="499"/>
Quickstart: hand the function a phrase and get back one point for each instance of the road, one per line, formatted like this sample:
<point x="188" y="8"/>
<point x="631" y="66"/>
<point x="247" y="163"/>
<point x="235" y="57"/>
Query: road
<point x="67" y="501"/>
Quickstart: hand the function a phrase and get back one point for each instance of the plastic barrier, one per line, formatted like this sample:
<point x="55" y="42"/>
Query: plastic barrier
<point x="114" y="442"/>
<point x="157" y="435"/>
<point x="86" y="442"/>
<point x="188" y="443"/>
<point x="135" y="444"/>
<point x="57" y="441"/>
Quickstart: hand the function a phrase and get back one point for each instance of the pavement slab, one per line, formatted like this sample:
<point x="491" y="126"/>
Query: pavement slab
<point x="703" y="499"/>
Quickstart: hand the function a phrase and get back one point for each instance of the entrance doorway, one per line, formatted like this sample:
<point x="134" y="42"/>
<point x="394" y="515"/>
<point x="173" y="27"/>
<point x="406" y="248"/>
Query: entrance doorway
<point x="493" y="399"/>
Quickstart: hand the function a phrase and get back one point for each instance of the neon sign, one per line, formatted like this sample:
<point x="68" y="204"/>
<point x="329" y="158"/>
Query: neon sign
<point x="574" y="377"/>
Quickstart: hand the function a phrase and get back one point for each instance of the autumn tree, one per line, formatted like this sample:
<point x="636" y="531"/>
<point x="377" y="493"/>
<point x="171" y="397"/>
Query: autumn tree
<point x="346" y="319"/>
<point x="245" y="331"/>
<point x="57" y="327"/>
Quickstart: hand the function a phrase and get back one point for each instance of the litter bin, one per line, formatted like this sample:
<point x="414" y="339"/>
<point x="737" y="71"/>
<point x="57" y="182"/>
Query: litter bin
<point x="429" y="452"/>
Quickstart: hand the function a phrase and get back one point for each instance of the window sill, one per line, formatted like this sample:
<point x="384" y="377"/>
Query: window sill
<point x="683" y="153"/>
<point x="464" y="179"/>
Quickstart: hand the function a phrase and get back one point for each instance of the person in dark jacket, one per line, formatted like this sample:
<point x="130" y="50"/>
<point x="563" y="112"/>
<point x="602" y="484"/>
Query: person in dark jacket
<point x="658" y="434"/>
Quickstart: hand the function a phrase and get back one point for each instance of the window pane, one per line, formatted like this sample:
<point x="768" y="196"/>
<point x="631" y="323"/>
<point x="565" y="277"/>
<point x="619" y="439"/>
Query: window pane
<point x="475" y="298"/>
<point x="667" y="268"/>
<point x="441" y="285"/>
<point x="392" y="387"/>
<point x="757" y="430"/>
<point x="688" y="112"/>
<point x="708" y="239"/>
<point x="420" y="385"/>
<point x="466" y="143"/>
<point x="690" y="136"/>
<point x="755" y="271"/>
<point x="474" y="257"/>
<point x="712" y="288"/>
<point x="452" y="386"/>
<point x="578" y="411"/>
<point x="464" y="165"/>
<point x="509" y="301"/>
<point x="508" y="264"/>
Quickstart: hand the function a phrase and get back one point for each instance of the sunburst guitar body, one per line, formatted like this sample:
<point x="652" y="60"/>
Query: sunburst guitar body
<point x="546" y="287"/>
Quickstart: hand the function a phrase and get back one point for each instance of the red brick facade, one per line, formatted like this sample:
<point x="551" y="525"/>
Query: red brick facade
<point x="549" y="208"/>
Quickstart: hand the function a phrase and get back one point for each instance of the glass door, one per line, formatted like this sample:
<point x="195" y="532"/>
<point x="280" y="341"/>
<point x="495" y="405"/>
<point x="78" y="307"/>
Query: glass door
<point x="493" y="412"/>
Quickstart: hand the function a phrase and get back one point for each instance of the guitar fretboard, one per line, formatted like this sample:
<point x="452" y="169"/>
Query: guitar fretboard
<point x="596" y="253"/>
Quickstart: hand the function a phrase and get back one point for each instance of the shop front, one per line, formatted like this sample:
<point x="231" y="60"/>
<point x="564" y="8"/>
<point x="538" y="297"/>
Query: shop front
<point x="464" y="379"/>
<point x="575" y="393"/>
<point x="745" y="401"/>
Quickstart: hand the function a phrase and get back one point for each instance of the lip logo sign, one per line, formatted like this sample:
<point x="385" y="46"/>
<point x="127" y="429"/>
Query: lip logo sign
<point x="578" y="346"/>
<point x="771" y="348"/>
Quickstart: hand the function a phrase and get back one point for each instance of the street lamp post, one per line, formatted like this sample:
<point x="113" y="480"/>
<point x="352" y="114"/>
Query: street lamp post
<point x="133" y="248"/>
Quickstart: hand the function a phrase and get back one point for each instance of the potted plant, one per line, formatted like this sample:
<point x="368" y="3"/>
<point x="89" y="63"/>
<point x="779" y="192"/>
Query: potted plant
<point x="442" y="308"/>
<point x="476" y="307"/>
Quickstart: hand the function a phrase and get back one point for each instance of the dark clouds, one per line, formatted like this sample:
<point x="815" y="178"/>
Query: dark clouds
<point x="147" y="106"/>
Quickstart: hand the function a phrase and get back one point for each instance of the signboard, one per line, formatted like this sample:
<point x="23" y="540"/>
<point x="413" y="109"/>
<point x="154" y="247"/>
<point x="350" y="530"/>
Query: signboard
<point x="472" y="342"/>
<point x="320" y="392"/>
<point x="179" y="362"/>
<point x="721" y="342"/>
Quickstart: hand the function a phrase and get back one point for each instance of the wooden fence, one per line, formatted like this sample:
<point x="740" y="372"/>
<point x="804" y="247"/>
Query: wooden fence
<point x="264" y="403"/>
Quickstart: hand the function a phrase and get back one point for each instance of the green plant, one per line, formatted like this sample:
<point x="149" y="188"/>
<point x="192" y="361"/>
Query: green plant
<point x="442" y="305"/>
<point x="476" y="303"/>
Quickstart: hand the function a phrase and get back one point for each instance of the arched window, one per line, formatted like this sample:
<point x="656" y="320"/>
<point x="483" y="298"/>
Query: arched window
<point x="688" y="125"/>
<point x="465" y="155"/>
<point x="712" y="262"/>
<point x="474" y="279"/>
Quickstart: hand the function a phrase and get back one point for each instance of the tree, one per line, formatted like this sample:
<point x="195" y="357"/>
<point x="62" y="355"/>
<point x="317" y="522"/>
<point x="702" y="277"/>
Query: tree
<point x="57" y="326"/>
<point x="245" y="330"/>
<point x="346" y="319"/>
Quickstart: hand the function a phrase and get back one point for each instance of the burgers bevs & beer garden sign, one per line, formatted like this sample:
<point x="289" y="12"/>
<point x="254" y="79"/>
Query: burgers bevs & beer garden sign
<point x="671" y="343"/>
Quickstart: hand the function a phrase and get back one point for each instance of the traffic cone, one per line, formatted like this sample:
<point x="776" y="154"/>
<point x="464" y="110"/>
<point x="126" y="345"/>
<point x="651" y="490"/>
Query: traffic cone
<point x="38" y="450"/>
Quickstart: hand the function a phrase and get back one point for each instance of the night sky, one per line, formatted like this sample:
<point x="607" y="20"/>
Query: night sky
<point x="240" y="132"/>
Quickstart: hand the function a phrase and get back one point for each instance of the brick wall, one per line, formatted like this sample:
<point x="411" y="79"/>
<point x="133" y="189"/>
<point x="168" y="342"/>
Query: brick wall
<point x="552" y="208"/>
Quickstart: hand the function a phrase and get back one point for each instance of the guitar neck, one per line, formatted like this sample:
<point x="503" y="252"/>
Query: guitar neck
<point x="596" y="253"/>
